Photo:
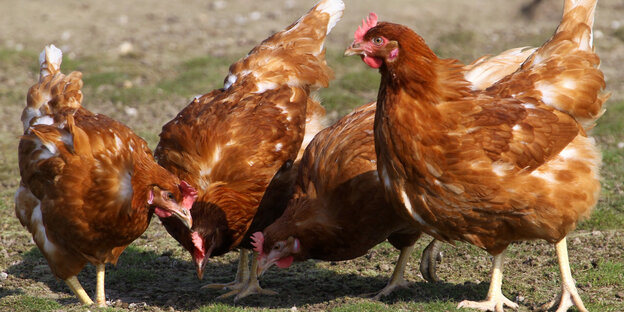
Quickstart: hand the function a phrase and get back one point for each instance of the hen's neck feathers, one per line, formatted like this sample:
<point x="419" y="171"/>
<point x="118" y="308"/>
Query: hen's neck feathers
<point x="419" y="72"/>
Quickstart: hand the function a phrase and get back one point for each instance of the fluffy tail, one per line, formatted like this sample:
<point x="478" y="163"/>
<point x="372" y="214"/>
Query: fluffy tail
<point x="53" y="91"/>
<point x="294" y="56"/>
<point x="564" y="72"/>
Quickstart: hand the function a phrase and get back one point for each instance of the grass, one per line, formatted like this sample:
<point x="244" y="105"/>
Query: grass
<point x="154" y="271"/>
<point x="30" y="304"/>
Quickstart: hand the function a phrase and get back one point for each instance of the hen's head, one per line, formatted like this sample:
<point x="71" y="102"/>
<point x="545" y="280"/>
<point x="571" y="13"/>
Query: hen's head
<point x="173" y="201"/>
<point x="386" y="43"/>
<point x="275" y="252"/>
<point x="208" y="236"/>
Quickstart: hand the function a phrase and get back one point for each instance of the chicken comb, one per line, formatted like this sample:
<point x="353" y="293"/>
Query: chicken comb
<point x="367" y="23"/>
<point x="189" y="193"/>
<point x="257" y="240"/>
<point x="187" y="189"/>
<point x="198" y="242"/>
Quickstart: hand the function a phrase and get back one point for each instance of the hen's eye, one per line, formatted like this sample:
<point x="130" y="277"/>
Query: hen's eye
<point x="277" y="246"/>
<point x="378" y="40"/>
<point x="170" y="196"/>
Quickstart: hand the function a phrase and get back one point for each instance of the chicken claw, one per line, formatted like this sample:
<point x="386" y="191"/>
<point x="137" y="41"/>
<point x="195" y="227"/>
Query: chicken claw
<point x="396" y="281"/>
<point x="242" y="275"/>
<point x="495" y="299"/>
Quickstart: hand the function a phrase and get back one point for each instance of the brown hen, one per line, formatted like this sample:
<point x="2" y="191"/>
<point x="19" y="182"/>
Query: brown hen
<point x="230" y="142"/>
<point x="89" y="185"/>
<point x="490" y="167"/>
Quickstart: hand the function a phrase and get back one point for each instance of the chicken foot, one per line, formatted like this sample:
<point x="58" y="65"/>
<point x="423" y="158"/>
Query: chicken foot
<point x="77" y="289"/>
<point x="431" y="255"/>
<point x="495" y="299"/>
<point x="246" y="282"/>
<point x="253" y="285"/>
<point x="569" y="295"/>
<point x="242" y="275"/>
<point x="396" y="280"/>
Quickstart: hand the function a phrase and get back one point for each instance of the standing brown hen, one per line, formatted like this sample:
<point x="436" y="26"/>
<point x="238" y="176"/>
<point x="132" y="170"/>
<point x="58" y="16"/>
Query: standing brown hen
<point x="230" y="142"/>
<point x="89" y="184"/>
<point x="336" y="209"/>
<point x="490" y="167"/>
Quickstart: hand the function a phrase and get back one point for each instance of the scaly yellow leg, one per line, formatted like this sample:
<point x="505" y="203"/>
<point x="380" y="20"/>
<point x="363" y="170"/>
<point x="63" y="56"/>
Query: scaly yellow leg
<point x="100" y="296"/>
<point x="75" y="286"/>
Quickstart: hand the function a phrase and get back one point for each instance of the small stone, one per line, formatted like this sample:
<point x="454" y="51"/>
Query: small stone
<point x="131" y="111"/>
<point x="519" y="298"/>
<point x="620" y="145"/>
<point x="3" y="276"/>
<point x="255" y="15"/>
<point x="127" y="84"/>
<point x="294" y="308"/>
<point x="125" y="48"/>
<point x="620" y="294"/>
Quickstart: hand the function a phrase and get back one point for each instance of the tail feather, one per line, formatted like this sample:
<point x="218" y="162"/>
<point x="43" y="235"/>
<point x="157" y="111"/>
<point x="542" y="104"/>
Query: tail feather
<point x="50" y="61"/>
<point x="53" y="91"/>
<point x="564" y="72"/>
<point x="332" y="7"/>
<point x="294" y="56"/>
<point x="578" y="19"/>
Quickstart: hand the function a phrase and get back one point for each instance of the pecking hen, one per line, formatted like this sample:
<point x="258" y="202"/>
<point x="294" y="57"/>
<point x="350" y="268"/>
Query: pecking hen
<point x="89" y="185"/>
<point x="337" y="208"/>
<point x="509" y="163"/>
<point x="230" y="142"/>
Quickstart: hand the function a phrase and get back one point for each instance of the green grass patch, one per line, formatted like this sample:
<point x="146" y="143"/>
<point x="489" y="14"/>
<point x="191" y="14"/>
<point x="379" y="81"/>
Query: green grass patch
<point x="359" y="81"/>
<point x="619" y="33"/>
<point x="606" y="273"/>
<point x="221" y="307"/>
<point x="27" y="303"/>
<point x="19" y="59"/>
<point x="611" y="122"/>
<point x="135" y="256"/>
<point x="364" y="306"/>
<point x="197" y="76"/>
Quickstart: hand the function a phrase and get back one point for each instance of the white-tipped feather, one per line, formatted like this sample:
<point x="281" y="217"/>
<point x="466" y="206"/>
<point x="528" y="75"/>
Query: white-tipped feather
<point x="50" y="60"/>
<point x="334" y="8"/>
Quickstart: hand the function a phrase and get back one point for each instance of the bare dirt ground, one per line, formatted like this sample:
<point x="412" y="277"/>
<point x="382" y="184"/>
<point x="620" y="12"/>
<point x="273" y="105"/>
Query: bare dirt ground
<point x="159" y="34"/>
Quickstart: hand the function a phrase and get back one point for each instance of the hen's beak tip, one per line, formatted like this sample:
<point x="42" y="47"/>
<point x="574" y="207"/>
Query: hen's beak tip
<point x="353" y="49"/>
<point x="185" y="216"/>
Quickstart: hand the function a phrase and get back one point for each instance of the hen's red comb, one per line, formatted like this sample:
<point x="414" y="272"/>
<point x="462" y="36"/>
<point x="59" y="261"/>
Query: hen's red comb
<point x="189" y="193"/>
<point x="257" y="240"/>
<point x="367" y="23"/>
<point x="187" y="189"/>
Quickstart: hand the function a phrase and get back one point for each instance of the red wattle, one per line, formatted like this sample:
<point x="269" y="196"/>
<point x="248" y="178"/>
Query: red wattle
<point x="372" y="61"/>
<point x="162" y="213"/>
<point x="284" y="262"/>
